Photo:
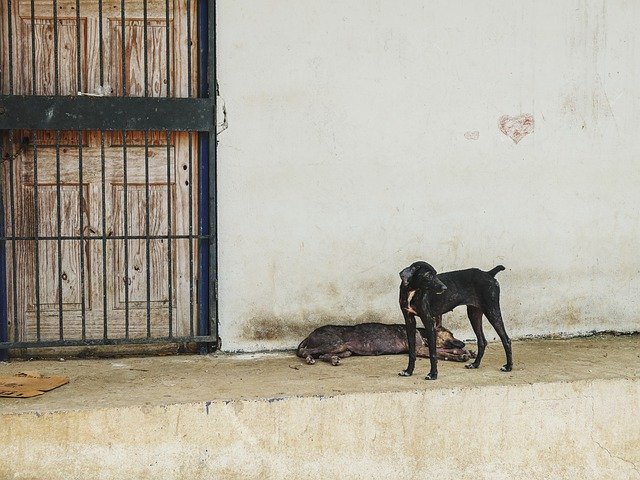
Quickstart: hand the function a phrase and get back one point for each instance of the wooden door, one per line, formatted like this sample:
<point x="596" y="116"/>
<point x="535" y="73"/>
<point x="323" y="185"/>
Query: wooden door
<point x="101" y="176"/>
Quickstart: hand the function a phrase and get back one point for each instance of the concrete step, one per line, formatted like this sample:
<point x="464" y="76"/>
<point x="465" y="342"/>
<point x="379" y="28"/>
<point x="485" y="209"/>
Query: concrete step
<point x="568" y="410"/>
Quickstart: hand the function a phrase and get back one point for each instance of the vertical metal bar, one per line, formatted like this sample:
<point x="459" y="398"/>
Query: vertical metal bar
<point x="147" y="228"/>
<point x="168" y="47"/>
<point x="4" y="320"/>
<point x="36" y="208"/>
<point x="123" y="48"/>
<point x="105" y="279"/>
<point x="36" y="203"/>
<point x="4" y="326"/>
<point x="203" y="182"/>
<point x="10" y="44"/>
<point x="145" y="16"/>
<point x="169" y="241"/>
<point x="190" y="169"/>
<point x="124" y="181"/>
<point x="126" y="233"/>
<point x="33" y="49"/>
<point x="213" y="206"/>
<point x="59" y="234"/>
<point x="56" y="73"/>
<point x="191" y="287"/>
<point x="189" y="46"/>
<point x="14" y="263"/>
<point x="56" y="59"/>
<point x="168" y="133"/>
<point x="78" y="48"/>
<point x="101" y="45"/>
<point x="83" y="308"/>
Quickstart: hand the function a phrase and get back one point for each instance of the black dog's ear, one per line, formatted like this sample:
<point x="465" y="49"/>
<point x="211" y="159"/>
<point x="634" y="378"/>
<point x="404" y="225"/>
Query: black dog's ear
<point x="406" y="274"/>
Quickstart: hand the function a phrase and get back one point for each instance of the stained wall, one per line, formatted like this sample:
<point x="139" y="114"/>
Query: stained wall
<point x="368" y="134"/>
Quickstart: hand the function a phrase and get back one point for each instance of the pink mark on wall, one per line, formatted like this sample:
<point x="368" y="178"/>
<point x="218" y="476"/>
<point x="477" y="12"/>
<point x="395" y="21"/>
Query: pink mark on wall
<point x="472" y="135"/>
<point x="516" y="128"/>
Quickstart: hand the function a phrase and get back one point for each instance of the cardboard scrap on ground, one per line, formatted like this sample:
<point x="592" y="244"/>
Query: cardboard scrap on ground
<point x="29" y="384"/>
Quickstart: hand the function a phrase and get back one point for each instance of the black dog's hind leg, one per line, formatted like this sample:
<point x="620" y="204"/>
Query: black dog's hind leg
<point x="495" y="319"/>
<point x="475" y="317"/>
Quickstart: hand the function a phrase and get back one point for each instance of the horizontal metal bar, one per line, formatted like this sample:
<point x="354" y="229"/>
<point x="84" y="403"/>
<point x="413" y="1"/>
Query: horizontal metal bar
<point x="107" y="341"/>
<point x="106" y="113"/>
<point x="112" y="237"/>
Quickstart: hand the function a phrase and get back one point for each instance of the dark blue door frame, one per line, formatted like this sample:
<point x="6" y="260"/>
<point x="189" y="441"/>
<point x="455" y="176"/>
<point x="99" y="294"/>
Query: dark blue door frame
<point x="208" y="279"/>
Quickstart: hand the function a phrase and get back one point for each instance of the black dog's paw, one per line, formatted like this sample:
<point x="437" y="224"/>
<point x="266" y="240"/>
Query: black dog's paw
<point x="471" y="366"/>
<point x="431" y="376"/>
<point x="506" y="368"/>
<point x="404" y="373"/>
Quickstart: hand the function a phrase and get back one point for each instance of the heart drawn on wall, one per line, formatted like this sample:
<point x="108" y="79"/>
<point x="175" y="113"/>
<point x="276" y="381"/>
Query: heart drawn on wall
<point x="516" y="128"/>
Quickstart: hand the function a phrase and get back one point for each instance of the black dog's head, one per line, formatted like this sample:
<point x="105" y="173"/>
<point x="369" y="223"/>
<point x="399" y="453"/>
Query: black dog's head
<point x="421" y="275"/>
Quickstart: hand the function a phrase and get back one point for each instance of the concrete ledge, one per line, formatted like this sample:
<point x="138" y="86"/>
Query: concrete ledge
<point x="120" y="422"/>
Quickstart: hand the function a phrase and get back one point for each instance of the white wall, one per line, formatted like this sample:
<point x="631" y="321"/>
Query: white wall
<point x="346" y="159"/>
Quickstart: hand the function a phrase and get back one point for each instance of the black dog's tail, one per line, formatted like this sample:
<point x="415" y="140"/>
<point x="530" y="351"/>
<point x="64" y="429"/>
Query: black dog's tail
<point x="495" y="270"/>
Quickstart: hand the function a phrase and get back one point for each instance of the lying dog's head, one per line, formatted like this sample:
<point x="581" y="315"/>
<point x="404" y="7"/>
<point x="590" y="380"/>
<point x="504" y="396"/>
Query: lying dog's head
<point x="444" y="338"/>
<point x="421" y="275"/>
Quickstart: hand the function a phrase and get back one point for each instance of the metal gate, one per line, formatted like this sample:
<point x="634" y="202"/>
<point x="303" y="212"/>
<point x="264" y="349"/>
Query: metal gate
<point x="108" y="173"/>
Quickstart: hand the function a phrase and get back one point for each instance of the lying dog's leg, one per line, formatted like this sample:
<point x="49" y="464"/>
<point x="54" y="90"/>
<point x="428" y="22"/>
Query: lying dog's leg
<point x="334" y="358"/>
<point x="475" y="317"/>
<point x="454" y="354"/>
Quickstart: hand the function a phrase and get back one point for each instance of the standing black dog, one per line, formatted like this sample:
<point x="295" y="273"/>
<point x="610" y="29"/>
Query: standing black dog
<point x="425" y="293"/>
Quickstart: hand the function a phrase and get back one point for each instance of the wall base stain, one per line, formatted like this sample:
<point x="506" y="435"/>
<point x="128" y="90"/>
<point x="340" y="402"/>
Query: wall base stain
<point x="273" y="327"/>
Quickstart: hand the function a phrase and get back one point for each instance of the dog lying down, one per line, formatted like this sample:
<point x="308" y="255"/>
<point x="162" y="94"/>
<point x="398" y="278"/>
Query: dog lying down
<point x="333" y="342"/>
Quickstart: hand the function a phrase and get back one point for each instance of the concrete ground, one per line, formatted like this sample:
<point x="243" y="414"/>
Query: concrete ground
<point x="89" y="421"/>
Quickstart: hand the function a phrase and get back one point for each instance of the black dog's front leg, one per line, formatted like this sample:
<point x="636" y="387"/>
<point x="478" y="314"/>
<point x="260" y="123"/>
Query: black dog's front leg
<point x="410" y="323"/>
<point x="429" y="324"/>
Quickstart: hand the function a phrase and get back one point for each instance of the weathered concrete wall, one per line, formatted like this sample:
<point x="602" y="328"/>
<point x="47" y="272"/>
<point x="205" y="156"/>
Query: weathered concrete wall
<point x="364" y="135"/>
<point x="587" y="429"/>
